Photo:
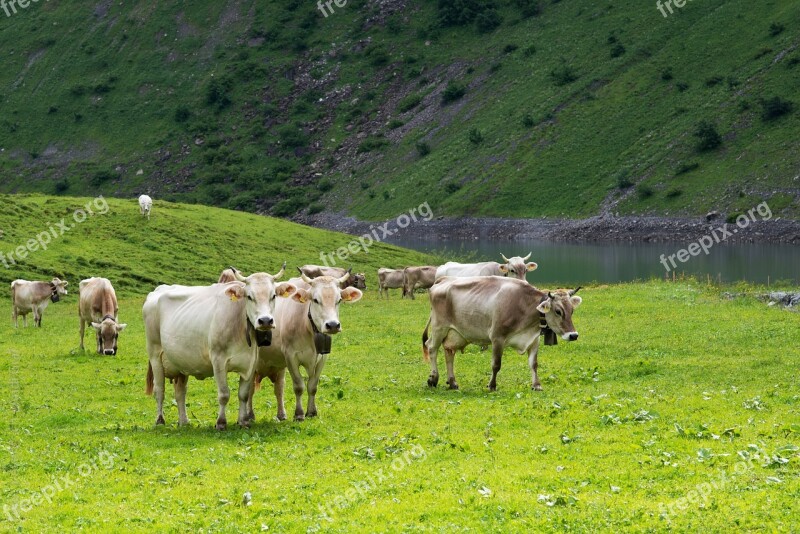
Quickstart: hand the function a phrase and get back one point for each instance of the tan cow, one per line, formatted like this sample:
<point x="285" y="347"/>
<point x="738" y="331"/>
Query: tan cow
<point x="497" y="311"/>
<point x="417" y="278"/>
<point x="231" y="274"/>
<point x="209" y="331"/>
<point x="514" y="267"/>
<point x="97" y="305"/>
<point x="389" y="279"/>
<point x="356" y="280"/>
<point x="27" y="297"/>
<point x="302" y="338"/>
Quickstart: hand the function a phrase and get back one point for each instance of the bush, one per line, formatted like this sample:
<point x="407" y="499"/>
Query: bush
<point x="463" y="12"/>
<point x="528" y="8"/>
<point x="714" y="80"/>
<point x="617" y="50"/>
<point x="707" y="136"/>
<point x="682" y="86"/>
<point x="292" y="136"/>
<point x="372" y="143"/>
<point x="452" y="187"/>
<point x="509" y="48"/>
<point x="409" y="103"/>
<point x="100" y="177"/>
<point x="563" y="75"/>
<point x="488" y="21"/>
<point x="674" y="193"/>
<point x="644" y="191"/>
<point x="395" y="124"/>
<point x="453" y="92"/>
<point x="423" y="148"/>
<point x="528" y="121"/>
<point x="776" y="28"/>
<point x="475" y="136"/>
<point x="529" y="51"/>
<point x="686" y="167"/>
<point x="217" y="92"/>
<point x="623" y="182"/>
<point x="666" y="74"/>
<point x="775" y="107"/>
<point x="62" y="186"/>
<point x="731" y="219"/>
<point x="182" y="114"/>
<point x="324" y="185"/>
<point x="289" y="206"/>
<point x="315" y="207"/>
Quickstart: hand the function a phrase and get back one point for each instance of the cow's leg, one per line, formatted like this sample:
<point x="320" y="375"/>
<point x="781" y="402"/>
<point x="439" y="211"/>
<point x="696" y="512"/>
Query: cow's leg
<point x="313" y="382"/>
<point x="449" y="357"/>
<point x="158" y="386"/>
<point x="14" y="316"/>
<point x="244" y="395"/>
<point x="251" y="415"/>
<point x="180" y="383"/>
<point x="25" y="320"/>
<point x="297" y="382"/>
<point x="83" y="330"/>
<point x="497" y="361"/>
<point x="278" y="378"/>
<point x="433" y="349"/>
<point x="533" y="363"/>
<point x="37" y="317"/>
<point x="223" y="391"/>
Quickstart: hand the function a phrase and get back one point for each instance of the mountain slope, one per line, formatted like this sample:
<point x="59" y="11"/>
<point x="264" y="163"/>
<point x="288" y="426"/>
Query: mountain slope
<point x="493" y="107"/>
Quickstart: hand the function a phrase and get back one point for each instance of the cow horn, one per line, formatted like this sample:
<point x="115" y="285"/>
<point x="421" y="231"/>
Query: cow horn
<point x="277" y="275"/>
<point x="551" y="296"/>
<point x="344" y="279"/>
<point x="574" y="291"/>
<point x="504" y="257"/>
<point x="528" y="256"/>
<point x="303" y="275"/>
<point x="237" y="274"/>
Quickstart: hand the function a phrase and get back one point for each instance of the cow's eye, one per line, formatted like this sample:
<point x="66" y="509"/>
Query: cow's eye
<point x="272" y="297"/>
<point x="316" y="301"/>
<point x="558" y="312"/>
<point x="250" y="297"/>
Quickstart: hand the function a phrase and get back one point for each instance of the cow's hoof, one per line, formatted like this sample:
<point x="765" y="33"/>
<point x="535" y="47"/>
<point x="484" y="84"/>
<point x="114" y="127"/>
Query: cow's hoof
<point x="492" y="388"/>
<point x="245" y="423"/>
<point x="160" y="420"/>
<point x="251" y="416"/>
<point x="281" y="417"/>
<point x="433" y="382"/>
<point x="222" y="424"/>
<point x="452" y="385"/>
<point x="312" y="413"/>
<point x="300" y="417"/>
<point x="537" y="387"/>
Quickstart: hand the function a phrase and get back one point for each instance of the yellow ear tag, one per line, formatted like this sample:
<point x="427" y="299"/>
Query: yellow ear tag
<point x="234" y="298"/>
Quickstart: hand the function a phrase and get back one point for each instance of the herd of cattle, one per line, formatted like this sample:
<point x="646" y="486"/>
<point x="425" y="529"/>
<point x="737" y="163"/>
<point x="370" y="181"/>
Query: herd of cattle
<point x="257" y="327"/>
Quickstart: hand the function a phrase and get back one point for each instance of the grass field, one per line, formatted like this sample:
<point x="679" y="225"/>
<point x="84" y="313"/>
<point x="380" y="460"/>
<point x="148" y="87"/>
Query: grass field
<point x="676" y="409"/>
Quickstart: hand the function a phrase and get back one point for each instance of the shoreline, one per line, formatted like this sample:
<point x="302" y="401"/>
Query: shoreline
<point x="599" y="229"/>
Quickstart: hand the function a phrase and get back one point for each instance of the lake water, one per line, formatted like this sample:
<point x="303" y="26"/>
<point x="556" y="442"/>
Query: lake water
<point x="573" y="263"/>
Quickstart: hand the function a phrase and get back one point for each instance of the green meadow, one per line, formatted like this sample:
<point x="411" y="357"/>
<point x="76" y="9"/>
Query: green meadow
<point x="677" y="409"/>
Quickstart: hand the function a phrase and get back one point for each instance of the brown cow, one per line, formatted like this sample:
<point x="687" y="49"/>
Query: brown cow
<point x="27" y="297"/>
<point x="389" y="279"/>
<point x="416" y="278"/>
<point x="97" y="305"/>
<point x="498" y="311"/>
<point x="356" y="280"/>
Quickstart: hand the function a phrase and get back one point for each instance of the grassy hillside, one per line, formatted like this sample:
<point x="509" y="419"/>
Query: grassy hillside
<point x="181" y="244"/>
<point x="484" y="107"/>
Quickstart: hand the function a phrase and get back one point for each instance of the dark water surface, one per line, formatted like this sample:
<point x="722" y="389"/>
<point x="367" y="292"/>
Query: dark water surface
<point x="577" y="263"/>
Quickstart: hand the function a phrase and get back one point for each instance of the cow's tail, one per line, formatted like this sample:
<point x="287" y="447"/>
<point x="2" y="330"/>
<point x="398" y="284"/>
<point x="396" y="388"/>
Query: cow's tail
<point x="148" y="388"/>
<point x="425" y="352"/>
<point x="257" y="381"/>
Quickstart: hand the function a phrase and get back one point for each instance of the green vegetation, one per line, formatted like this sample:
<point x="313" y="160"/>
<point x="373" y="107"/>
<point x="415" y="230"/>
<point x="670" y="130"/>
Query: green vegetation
<point x="233" y="104"/>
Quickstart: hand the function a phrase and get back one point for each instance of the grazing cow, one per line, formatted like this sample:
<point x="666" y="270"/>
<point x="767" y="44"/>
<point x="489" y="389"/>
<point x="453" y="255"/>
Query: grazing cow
<point x="499" y="311"/>
<point x="389" y="279"/>
<point x="357" y="280"/>
<point x="97" y="305"/>
<point x="209" y="331"/>
<point x="27" y="297"/>
<point x="145" y="205"/>
<point x="302" y="337"/>
<point x="417" y="277"/>
<point x="515" y="267"/>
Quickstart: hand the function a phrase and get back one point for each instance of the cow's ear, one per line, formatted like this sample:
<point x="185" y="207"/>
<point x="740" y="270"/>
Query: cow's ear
<point x="351" y="294"/>
<point x="532" y="266"/>
<point x="235" y="292"/>
<point x="96" y="326"/>
<point x="544" y="307"/>
<point x="504" y="268"/>
<point x="576" y="301"/>
<point x="301" y="295"/>
<point x="121" y="327"/>
<point x="285" y="289"/>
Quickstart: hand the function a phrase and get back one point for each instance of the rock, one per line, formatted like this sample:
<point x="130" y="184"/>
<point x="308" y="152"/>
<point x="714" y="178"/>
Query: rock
<point x="711" y="215"/>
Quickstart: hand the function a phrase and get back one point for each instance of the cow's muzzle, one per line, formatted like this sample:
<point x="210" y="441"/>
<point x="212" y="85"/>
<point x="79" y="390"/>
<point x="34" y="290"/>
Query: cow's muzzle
<point x="570" y="336"/>
<point x="265" y="323"/>
<point x="110" y="352"/>
<point x="333" y="327"/>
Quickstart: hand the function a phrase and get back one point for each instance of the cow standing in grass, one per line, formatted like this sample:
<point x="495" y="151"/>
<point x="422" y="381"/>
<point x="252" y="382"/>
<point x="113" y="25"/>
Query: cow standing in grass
<point x="417" y="278"/>
<point x="515" y="267"/>
<point x="389" y="279"/>
<point x="145" y="205"/>
<point x="27" y="297"/>
<point x="496" y="311"/>
<point x="97" y="305"/>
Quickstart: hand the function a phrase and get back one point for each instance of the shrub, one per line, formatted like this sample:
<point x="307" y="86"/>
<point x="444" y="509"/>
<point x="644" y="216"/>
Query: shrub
<point x="528" y="8"/>
<point x="644" y="191"/>
<point x="682" y="86"/>
<point x="776" y="28"/>
<point x="666" y="74"/>
<point x="617" y="50"/>
<point x="100" y="177"/>
<point x="315" y="207"/>
<point x="182" y="113"/>
<point x="452" y="187"/>
<point x="217" y="92"/>
<point x="495" y="67"/>
<point x="475" y="136"/>
<point x="509" y="48"/>
<point x="775" y="107"/>
<point x="529" y="51"/>
<point x="731" y="218"/>
<point x="324" y="185"/>
<point x="488" y="21"/>
<point x="288" y="206"/>
<point x="463" y="12"/>
<point x="528" y="121"/>
<point x="292" y="136"/>
<point x="674" y="193"/>
<point x="395" y="124"/>
<point x="714" y="80"/>
<point x="409" y="103"/>
<point x="707" y="136"/>
<point x="372" y="143"/>
<point x="423" y="148"/>
<point x="62" y="186"/>
<point x="453" y="92"/>
<point x="563" y="75"/>
<point x="623" y="182"/>
<point x="683" y="168"/>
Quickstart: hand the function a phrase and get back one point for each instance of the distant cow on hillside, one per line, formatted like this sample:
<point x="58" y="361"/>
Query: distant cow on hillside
<point x="145" y="205"/>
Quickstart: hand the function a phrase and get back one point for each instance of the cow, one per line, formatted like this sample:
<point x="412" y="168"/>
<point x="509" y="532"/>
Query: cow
<point x="417" y="277"/>
<point x="145" y="205"/>
<point x="209" y="331"/>
<point x="230" y="274"/>
<point x="357" y="280"/>
<point x="27" y="297"/>
<point x="497" y="311"/>
<point x="97" y="305"/>
<point x="514" y="267"/>
<point x="302" y="337"/>
<point x="389" y="279"/>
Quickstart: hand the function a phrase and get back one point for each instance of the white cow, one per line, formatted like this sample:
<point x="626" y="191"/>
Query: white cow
<point x="145" y="205"/>
<point x="27" y="297"/>
<point x="209" y="331"/>
<point x="302" y="338"/>
<point x="514" y="267"/>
